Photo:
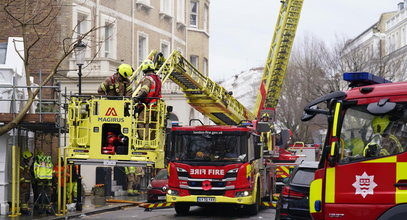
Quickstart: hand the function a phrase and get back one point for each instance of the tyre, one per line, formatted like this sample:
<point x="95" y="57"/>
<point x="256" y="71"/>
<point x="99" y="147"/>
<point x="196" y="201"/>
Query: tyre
<point x="254" y="209"/>
<point x="182" y="209"/>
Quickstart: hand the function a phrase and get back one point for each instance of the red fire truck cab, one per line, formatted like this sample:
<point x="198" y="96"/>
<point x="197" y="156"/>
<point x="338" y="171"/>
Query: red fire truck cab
<point x="363" y="168"/>
<point x="217" y="164"/>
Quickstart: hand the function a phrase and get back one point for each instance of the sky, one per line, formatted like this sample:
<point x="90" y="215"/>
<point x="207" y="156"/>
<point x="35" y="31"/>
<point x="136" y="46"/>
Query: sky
<point x="241" y="30"/>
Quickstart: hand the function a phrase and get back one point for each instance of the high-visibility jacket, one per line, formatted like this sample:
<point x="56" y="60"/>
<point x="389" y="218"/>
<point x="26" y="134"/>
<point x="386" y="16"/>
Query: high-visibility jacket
<point x="43" y="170"/>
<point x="56" y="170"/>
<point x="150" y="84"/>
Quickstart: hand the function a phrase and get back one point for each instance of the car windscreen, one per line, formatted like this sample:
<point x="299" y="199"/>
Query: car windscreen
<point x="303" y="176"/>
<point x="162" y="175"/>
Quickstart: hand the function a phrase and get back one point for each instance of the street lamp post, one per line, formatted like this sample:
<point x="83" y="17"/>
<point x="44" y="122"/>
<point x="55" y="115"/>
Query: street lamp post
<point x="80" y="49"/>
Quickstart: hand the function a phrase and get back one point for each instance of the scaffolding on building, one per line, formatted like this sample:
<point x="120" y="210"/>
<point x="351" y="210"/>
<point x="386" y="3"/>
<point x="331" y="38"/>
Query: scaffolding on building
<point x="46" y="119"/>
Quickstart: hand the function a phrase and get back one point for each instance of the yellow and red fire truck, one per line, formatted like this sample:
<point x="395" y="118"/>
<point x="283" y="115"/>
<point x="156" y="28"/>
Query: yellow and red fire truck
<point x="362" y="171"/>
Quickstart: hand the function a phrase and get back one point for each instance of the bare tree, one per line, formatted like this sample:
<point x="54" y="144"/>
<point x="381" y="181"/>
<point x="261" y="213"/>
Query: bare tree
<point x="36" y="22"/>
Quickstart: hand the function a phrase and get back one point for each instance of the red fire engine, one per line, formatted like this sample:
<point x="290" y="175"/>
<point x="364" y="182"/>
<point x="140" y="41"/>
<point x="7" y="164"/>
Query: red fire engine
<point x="217" y="164"/>
<point x="362" y="171"/>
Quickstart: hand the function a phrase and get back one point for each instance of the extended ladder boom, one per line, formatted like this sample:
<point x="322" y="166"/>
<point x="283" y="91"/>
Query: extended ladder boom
<point x="279" y="53"/>
<point x="205" y="95"/>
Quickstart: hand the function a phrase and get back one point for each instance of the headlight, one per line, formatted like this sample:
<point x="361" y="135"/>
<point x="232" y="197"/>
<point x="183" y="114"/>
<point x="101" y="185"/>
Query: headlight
<point x="164" y="189"/>
<point x="233" y="170"/>
<point x="172" y="192"/>
<point x="243" y="193"/>
<point x="179" y="169"/>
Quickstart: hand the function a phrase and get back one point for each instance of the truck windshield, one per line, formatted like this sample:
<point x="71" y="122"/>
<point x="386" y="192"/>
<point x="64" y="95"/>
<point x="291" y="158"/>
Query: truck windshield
<point x="365" y="136"/>
<point x="209" y="147"/>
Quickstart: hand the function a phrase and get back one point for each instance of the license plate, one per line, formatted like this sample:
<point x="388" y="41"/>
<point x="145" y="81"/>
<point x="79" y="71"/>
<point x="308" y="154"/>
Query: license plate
<point x="161" y="198"/>
<point x="206" y="199"/>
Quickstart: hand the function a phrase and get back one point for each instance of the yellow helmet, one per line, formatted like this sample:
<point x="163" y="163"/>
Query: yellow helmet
<point x="147" y="65"/>
<point x="125" y="70"/>
<point x="380" y="123"/>
<point x="27" y="154"/>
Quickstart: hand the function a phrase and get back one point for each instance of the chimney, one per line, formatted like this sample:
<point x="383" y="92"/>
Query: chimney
<point x="400" y="5"/>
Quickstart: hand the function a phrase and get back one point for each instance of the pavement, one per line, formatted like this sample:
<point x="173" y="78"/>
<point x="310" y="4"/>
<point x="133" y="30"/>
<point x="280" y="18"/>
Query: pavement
<point x="92" y="205"/>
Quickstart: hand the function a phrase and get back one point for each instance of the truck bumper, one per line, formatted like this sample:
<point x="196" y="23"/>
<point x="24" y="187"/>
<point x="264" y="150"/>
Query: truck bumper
<point x="246" y="200"/>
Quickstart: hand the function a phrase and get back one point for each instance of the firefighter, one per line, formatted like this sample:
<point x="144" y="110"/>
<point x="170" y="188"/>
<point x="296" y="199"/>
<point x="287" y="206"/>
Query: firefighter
<point x="383" y="142"/>
<point x="148" y="95"/>
<point x="133" y="180"/>
<point x="25" y="182"/>
<point x="43" y="170"/>
<point x="118" y="84"/>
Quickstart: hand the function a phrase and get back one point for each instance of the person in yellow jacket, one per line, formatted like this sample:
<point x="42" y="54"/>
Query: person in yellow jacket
<point x="118" y="84"/>
<point x="134" y="175"/>
<point x="25" y="182"/>
<point x="43" y="171"/>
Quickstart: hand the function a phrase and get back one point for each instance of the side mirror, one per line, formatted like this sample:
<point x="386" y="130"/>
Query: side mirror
<point x="285" y="180"/>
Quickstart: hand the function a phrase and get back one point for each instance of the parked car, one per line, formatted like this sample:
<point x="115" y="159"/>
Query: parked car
<point x="294" y="197"/>
<point x="158" y="187"/>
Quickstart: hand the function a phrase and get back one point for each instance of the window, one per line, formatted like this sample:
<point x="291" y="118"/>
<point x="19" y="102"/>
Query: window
<point x="365" y="136"/>
<point x="206" y="18"/>
<point x="145" y="2"/>
<point x="303" y="176"/>
<point x="109" y="37"/>
<point x="193" y="19"/>
<point x="194" y="60"/>
<point x="3" y="52"/>
<point x="166" y="7"/>
<point x="165" y="48"/>
<point x="181" y="11"/>
<point x="205" y="66"/>
<point x="82" y="24"/>
<point x="142" y="48"/>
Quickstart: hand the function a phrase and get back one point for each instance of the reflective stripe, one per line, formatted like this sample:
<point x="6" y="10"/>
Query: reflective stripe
<point x="392" y="159"/>
<point x="401" y="174"/>
<point x="315" y="194"/>
<point x="103" y="87"/>
<point x="330" y="185"/>
<point x="145" y="87"/>
<point x="336" y="117"/>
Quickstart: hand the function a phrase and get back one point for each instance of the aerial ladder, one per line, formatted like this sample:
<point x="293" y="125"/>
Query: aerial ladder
<point x="203" y="94"/>
<point x="281" y="161"/>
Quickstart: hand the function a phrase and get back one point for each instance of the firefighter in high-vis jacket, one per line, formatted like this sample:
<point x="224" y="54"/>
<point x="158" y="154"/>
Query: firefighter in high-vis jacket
<point x="148" y="93"/>
<point x="118" y="84"/>
<point x="134" y="176"/>
<point x="43" y="171"/>
<point x="25" y="182"/>
<point x="384" y="140"/>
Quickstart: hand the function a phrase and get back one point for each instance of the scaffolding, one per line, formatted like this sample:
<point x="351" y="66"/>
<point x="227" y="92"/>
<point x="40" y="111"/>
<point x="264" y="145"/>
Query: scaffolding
<point x="45" y="121"/>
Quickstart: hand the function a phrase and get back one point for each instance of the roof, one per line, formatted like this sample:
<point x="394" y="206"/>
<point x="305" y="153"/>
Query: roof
<point x="379" y="90"/>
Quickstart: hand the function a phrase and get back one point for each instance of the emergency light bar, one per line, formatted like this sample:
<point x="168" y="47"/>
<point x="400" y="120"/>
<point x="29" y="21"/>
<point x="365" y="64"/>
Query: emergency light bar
<point x="357" y="79"/>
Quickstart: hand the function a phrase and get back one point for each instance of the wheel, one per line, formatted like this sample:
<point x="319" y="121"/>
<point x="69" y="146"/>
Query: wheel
<point x="254" y="209"/>
<point x="182" y="209"/>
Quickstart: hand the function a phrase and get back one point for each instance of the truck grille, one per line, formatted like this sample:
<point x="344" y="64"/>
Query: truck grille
<point x="209" y="192"/>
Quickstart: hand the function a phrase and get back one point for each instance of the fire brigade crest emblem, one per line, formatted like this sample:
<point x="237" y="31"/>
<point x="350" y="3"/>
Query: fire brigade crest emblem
<point x="364" y="184"/>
